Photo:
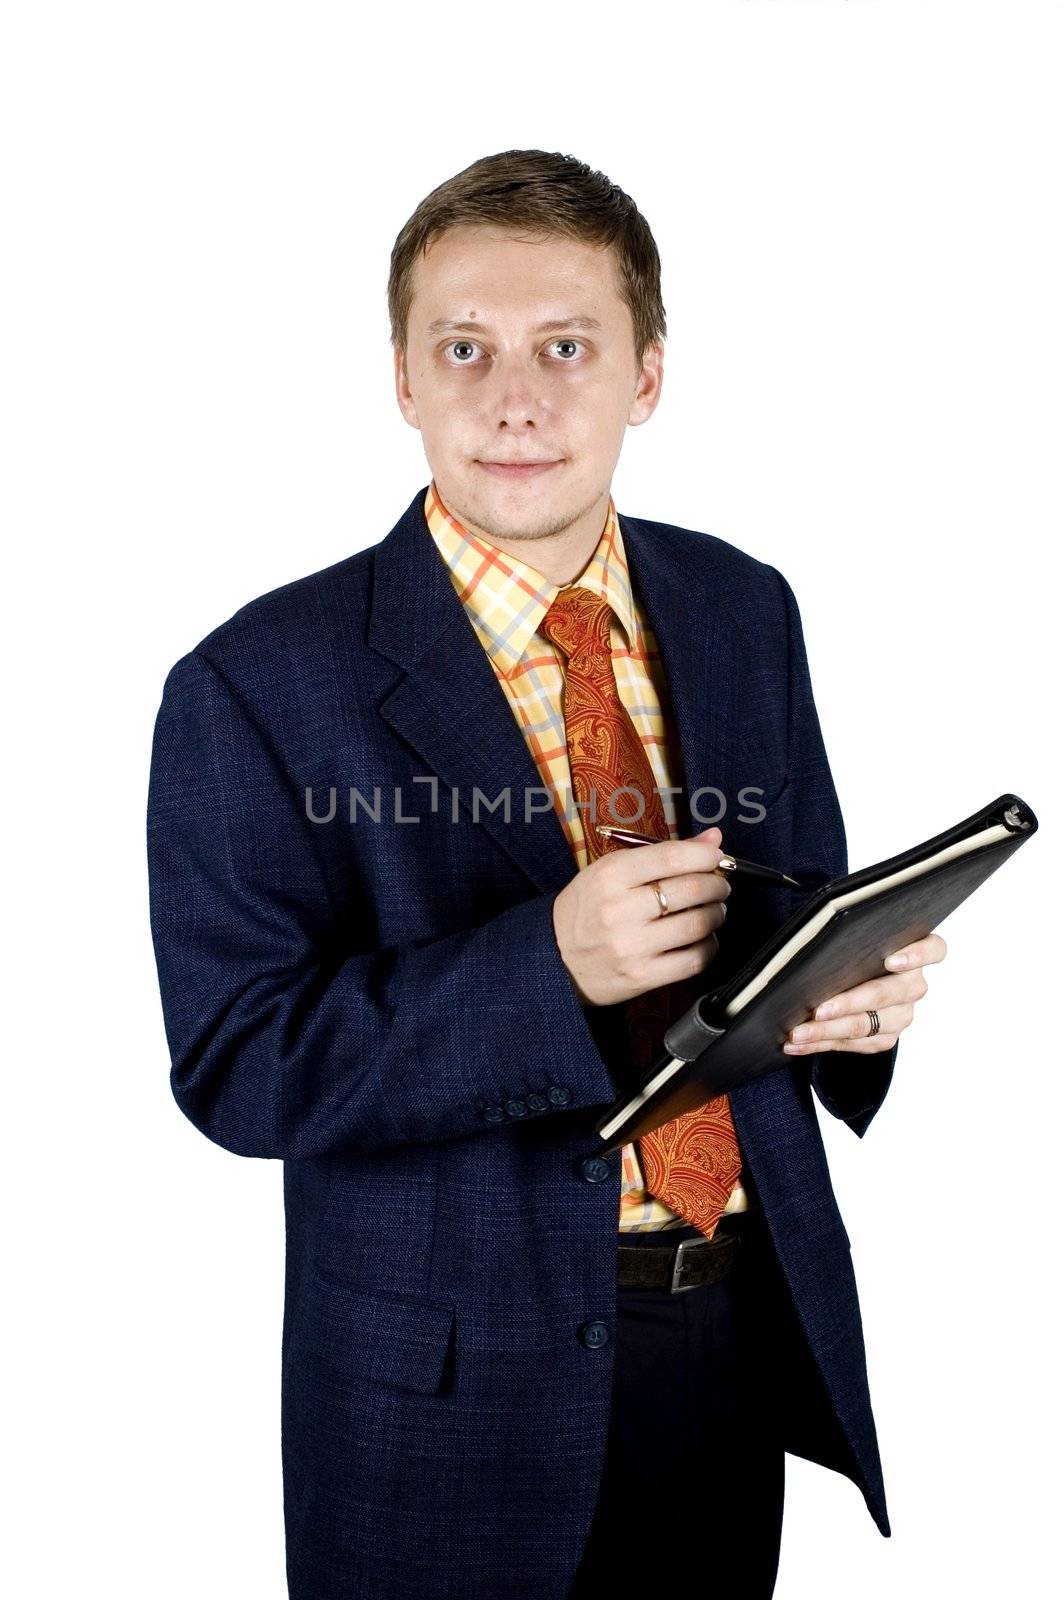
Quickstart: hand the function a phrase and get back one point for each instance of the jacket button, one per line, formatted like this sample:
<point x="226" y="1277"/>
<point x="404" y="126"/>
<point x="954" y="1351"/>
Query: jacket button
<point x="558" y="1095"/>
<point x="537" y="1102"/>
<point x="493" y="1114"/>
<point x="594" y="1335"/>
<point x="516" y="1108"/>
<point x="595" y="1169"/>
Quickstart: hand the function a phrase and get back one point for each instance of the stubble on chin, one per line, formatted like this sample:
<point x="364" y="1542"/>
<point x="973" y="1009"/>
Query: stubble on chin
<point x="545" y="523"/>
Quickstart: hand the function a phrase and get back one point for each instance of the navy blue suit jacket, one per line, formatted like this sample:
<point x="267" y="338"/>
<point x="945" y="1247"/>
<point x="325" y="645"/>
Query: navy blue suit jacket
<point x="382" y="1006"/>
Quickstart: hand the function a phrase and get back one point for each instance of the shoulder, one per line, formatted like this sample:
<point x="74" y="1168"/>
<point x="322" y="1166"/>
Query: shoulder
<point x="744" y="585"/>
<point x="286" y="632"/>
<point x="304" y="607"/>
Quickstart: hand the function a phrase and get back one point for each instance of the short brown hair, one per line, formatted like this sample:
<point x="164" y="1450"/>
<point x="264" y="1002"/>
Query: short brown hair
<point x="541" y="193"/>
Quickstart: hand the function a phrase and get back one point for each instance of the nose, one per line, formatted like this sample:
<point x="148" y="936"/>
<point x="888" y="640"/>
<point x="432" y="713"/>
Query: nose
<point x="518" y="391"/>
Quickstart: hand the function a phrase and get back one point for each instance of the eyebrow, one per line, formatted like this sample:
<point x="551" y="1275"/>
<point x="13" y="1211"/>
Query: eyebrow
<point x="444" y="324"/>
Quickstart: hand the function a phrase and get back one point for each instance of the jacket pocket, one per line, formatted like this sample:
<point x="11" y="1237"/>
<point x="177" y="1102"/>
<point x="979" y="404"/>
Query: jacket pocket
<point x="353" y="1330"/>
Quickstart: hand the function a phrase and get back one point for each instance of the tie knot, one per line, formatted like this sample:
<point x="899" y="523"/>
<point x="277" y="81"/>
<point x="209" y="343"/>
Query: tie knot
<point x="578" y="622"/>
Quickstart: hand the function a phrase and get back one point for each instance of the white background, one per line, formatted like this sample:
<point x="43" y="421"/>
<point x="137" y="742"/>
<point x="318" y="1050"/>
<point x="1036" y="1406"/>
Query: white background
<point x="858" y="210"/>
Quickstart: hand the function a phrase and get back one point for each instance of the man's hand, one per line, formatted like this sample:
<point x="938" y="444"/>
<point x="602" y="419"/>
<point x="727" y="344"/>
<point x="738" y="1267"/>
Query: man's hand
<point x="842" y="1023"/>
<point x="609" y="926"/>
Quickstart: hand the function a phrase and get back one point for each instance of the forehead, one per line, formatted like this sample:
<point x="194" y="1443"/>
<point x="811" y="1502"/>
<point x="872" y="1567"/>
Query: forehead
<point x="484" y="274"/>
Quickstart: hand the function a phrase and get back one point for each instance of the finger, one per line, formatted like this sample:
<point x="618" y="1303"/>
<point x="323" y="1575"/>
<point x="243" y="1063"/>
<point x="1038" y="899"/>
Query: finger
<point x="675" y="966"/>
<point x="666" y="858"/>
<point x="872" y="1046"/>
<point x="681" y="893"/>
<point x="922" y="953"/>
<point x="682" y="928"/>
<point x="808" y="1035"/>
<point x="893" y="990"/>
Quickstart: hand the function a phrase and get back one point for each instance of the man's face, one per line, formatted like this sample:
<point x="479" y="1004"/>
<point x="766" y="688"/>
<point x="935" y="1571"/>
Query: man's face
<point x="487" y="381"/>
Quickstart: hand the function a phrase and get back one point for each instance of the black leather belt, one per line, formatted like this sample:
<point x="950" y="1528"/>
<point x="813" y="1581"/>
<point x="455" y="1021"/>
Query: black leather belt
<point x="687" y="1264"/>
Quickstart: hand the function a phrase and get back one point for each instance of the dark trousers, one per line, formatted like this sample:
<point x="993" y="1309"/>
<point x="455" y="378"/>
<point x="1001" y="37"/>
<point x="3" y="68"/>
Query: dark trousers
<point x="694" y="1472"/>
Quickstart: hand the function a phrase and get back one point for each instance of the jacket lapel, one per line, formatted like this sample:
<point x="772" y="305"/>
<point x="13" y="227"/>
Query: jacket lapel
<point x="451" y="709"/>
<point x="674" y="579"/>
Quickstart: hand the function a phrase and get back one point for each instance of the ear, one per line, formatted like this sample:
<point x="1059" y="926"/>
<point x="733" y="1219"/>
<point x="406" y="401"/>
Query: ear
<point x="402" y="388"/>
<point x="648" y="386"/>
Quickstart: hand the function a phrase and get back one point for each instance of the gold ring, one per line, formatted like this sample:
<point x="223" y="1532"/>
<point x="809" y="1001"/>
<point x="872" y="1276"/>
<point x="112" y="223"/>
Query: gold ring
<point x="662" y="902"/>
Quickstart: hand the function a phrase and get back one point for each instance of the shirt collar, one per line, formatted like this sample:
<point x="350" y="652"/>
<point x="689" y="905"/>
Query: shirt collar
<point x="506" y="599"/>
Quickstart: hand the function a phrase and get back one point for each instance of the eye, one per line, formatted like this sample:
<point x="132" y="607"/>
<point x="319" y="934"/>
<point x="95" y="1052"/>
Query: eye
<point x="570" y="343"/>
<point x="462" y="344"/>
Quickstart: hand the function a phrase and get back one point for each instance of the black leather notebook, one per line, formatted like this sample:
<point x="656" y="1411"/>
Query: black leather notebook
<point x="838" y="938"/>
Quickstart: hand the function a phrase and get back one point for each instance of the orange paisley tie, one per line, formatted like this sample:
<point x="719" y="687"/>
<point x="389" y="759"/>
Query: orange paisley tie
<point x="692" y="1163"/>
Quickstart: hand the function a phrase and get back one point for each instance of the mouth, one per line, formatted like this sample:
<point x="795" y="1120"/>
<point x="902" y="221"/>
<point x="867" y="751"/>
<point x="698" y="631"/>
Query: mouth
<point x="517" y="470"/>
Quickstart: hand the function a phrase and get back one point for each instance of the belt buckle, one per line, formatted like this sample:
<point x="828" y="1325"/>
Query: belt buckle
<point x="676" y="1287"/>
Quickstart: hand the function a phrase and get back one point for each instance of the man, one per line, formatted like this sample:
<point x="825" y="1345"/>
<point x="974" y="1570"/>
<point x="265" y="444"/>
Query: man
<point x="511" y="1364"/>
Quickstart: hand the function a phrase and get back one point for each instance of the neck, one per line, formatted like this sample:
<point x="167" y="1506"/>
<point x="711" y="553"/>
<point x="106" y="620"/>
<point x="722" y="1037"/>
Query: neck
<point x="559" y="551"/>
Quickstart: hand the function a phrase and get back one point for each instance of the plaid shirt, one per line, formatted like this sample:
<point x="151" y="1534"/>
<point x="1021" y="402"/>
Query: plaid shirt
<point x="506" y="600"/>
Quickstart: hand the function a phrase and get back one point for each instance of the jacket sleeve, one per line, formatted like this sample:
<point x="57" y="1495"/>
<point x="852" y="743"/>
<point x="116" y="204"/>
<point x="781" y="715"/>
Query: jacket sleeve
<point x="850" y="1085"/>
<point x="284" y="1041"/>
